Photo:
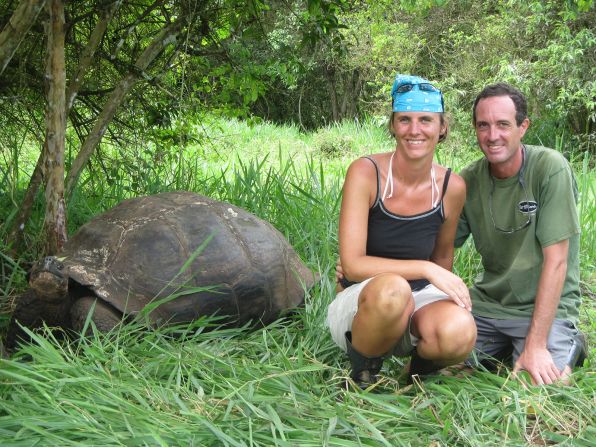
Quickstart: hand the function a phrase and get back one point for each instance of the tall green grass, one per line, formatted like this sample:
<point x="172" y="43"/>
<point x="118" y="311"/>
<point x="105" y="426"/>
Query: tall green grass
<point x="276" y="386"/>
<point x="281" y="385"/>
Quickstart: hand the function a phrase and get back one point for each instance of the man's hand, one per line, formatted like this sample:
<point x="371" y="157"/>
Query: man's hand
<point x="339" y="272"/>
<point x="539" y="364"/>
<point x="339" y="275"/>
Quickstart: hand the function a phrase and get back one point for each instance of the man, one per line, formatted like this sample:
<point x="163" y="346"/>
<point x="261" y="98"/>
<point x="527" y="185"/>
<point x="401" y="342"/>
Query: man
<point x="521" y="212"/>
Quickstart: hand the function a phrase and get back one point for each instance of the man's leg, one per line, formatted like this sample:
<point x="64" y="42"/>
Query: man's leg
<point x="492" y="346"/>
<point x="566" y="344"/>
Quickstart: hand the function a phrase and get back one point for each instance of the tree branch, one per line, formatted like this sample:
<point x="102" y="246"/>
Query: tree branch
<point x="88" y="53"/>
<point x="161" y="41"/>
<point x="16" y="29"/>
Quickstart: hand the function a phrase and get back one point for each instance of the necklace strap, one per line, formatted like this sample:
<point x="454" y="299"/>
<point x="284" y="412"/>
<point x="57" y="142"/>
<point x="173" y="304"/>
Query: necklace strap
<point x="389" y="181"/>
<point x="435" y="196"/>
<point x="434" y="188"/>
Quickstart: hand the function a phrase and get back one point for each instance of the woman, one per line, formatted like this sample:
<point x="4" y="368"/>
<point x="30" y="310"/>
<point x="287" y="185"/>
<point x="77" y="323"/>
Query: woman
<point x="397" y="225"/>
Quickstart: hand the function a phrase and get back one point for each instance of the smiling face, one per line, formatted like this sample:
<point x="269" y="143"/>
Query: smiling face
<point x="498" y="134"/>
<point x="418" y="133"/>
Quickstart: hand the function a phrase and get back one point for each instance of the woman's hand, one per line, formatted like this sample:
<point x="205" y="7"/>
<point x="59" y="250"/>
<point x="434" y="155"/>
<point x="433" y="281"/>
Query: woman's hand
<point x="451" y="284"/>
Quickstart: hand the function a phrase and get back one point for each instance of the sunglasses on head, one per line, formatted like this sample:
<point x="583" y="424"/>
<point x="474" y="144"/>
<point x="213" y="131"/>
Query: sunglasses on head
<point x="425" y="87"/>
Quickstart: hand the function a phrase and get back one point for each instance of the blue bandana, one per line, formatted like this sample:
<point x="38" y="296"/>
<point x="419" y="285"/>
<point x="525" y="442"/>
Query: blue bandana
<point x="415" y="94"/>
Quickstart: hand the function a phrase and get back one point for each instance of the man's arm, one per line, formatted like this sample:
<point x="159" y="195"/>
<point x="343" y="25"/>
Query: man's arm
<point x="463" y="231"/>
<point x="535" y="358"/>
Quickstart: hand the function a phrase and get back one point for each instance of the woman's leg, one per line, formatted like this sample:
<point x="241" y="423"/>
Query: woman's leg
<point x="384" y="308"/>
<point x="446" y="331"/>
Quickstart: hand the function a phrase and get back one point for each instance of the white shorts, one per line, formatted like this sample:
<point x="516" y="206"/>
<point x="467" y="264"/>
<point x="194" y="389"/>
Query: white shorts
<point x="343" y="308"/>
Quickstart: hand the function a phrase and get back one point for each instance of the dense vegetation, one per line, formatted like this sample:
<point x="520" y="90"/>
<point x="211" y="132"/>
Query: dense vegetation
<point x="280" y="385"/>
<point x="264" y="104"/>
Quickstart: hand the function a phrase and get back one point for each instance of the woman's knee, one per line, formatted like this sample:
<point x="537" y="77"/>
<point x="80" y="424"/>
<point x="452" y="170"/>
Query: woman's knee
<point x="456" y="334"/>
<point x="387" y="295"/>
<point x="446" y="330"/>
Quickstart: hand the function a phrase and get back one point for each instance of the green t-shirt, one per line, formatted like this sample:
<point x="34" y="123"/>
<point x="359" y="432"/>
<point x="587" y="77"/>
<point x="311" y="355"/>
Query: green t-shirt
<point x="513" y="262"/>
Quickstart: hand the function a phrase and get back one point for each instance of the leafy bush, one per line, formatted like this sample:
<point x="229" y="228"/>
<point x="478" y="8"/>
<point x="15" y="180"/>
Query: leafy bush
<point x="332" y="146"/>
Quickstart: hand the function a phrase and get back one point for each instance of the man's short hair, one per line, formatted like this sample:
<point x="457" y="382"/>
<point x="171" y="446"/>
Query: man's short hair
<point x="503" y="89"/>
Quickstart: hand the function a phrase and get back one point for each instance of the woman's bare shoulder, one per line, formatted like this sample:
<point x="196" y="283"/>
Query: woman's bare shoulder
<point x="456" y="182"/>
<point x="364" y="165"/>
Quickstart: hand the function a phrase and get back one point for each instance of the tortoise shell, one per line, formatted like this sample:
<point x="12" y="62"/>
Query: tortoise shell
<point x="198" y="255"/>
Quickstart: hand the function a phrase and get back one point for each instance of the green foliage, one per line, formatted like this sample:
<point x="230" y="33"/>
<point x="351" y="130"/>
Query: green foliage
<point x="333" y="146"/>
<point x="198" y="384"/>
<point x="544" y="48"/>
<point x="317" y="62"/>
<point x="322" y="19"/>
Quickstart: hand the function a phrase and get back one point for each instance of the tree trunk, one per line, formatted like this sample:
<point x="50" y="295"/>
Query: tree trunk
<point x="18" y="228"/>
<point x="351" y="94"/>
<point x="55" y="215"/>
<point x="331" y="89"/>
<point x="162" y="40"/>
<point x="16" y="29"/>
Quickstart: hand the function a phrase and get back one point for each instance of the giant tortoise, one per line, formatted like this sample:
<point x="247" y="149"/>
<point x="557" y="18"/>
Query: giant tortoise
<point x="180" y="254"/>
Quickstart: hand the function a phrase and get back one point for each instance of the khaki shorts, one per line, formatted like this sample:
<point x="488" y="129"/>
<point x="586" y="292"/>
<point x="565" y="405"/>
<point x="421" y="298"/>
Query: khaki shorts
<point x="343" y="308"/>
<point x="498" y="336"/>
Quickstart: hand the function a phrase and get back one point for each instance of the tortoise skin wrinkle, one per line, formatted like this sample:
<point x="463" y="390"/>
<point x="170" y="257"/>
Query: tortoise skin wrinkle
<point x="137" y="253"/>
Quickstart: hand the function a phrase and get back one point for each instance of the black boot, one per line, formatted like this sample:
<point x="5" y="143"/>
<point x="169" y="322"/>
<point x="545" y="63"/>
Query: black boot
<point x="504" y="356"/>
<point x="364" y="369"/>
<point x="421" y="367"/>
<point x="578" y="352"/>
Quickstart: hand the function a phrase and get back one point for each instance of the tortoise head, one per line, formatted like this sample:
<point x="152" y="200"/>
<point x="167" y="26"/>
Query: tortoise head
<point x="49" y="279"/>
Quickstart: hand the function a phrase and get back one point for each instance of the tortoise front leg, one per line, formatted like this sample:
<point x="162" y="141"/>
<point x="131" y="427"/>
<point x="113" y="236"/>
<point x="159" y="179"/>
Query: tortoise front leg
<point x="104" y="316"/>
<point x="31" y="312"/>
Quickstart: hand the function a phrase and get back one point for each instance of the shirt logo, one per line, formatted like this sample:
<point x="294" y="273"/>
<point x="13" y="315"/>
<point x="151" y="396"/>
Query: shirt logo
<point x="527" y="206"/>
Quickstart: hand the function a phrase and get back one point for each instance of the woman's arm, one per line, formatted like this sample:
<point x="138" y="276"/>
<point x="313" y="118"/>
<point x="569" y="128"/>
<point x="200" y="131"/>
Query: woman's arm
<point x="442" y="254"/>
<point x="453" y="203"/>
<point x="359" y="191"/>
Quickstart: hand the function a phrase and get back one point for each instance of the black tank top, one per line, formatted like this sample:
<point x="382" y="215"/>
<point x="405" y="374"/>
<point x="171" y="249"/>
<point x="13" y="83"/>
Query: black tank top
<point x="403" y="237"/>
